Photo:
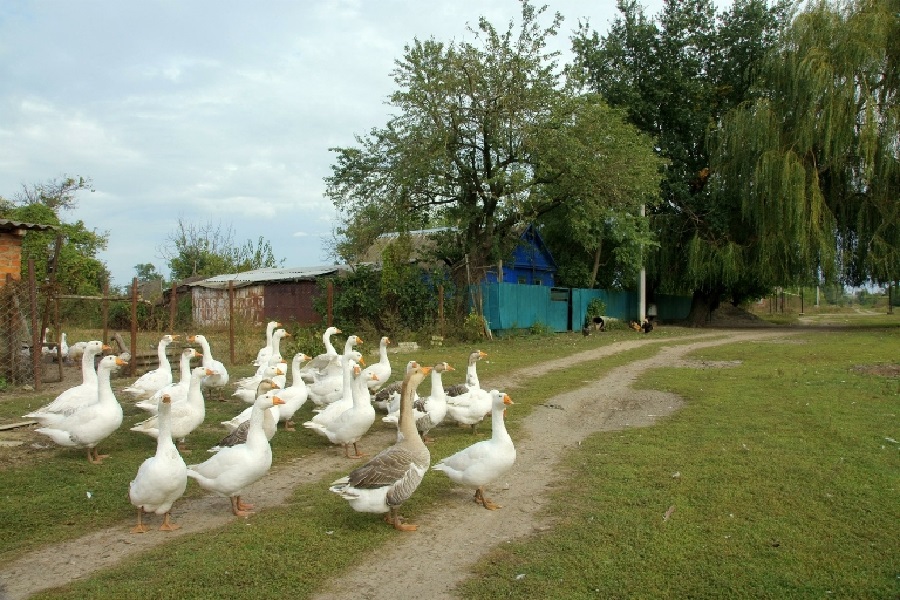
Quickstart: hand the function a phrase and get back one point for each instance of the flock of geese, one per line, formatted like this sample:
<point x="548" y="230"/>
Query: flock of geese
<point x="345" y="391"/>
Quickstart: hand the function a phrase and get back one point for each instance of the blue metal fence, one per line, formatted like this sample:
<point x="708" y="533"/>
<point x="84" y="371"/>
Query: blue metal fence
<point x="510" y="306"/>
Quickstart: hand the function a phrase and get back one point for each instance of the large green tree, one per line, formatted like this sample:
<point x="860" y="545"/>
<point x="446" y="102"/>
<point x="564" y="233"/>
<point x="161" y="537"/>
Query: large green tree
<point x="815" y="159"/>
<point x="209" y="249"/>
<point x="486" y="139"/>
<point x="677" y="76"/>
<point x="79" y="271"/>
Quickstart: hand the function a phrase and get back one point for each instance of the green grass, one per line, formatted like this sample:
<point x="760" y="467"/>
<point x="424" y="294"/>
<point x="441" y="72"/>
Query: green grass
<point x="68" y="497"/>
<point x="785" y="490"/>
<point x="787" y="486"/>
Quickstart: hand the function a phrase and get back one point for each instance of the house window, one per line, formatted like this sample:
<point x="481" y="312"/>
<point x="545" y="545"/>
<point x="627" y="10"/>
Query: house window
<point x="523" y="280"/>
<point x="538" y="282"/>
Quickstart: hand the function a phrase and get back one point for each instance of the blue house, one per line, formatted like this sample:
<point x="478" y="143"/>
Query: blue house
<point x="532" y="263"/>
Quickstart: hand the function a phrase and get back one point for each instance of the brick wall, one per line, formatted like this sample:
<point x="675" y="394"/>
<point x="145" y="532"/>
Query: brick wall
<point x="10" y="256"/>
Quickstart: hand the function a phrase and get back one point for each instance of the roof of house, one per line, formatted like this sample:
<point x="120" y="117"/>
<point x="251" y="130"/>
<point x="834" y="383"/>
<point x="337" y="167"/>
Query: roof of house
<point x="268" y="275"/>
<point x="10" y="225"/>
<point x="421" y="241"/>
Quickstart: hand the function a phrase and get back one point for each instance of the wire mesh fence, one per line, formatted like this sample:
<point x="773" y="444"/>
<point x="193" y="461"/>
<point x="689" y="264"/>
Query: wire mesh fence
<point x="17" y="315"/>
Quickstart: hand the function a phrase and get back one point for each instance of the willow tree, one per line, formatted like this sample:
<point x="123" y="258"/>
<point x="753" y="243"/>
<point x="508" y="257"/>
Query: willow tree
<point x="676" y="76"/>
<point x="815" y="158"/>
<point x="486" y="139"/>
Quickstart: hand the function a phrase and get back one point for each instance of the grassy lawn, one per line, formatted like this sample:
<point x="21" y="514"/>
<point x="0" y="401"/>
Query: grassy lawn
<point x="68" y="497"/>
<point x="787" y="488"/>
<point x="780" y="479"/>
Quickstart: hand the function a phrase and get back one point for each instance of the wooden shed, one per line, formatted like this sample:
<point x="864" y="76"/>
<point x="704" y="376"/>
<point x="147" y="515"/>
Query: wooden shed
<point x="283" y="294"/>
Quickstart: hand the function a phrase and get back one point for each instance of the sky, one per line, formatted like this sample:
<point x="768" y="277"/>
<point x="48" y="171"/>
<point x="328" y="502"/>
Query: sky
<point x="212" y="111"/>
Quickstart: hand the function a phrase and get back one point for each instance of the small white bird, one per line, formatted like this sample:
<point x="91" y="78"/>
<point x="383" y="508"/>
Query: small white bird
<point x="485" y="461"/>
<point x="162" y="478"/>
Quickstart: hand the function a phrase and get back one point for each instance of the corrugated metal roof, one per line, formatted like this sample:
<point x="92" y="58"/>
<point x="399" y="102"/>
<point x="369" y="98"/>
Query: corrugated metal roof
<point x="9" y="225"/>
<point x="268" y="275"/>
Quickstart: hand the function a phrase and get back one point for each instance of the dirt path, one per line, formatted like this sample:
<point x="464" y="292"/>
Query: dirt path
<point x="451" y="539"/>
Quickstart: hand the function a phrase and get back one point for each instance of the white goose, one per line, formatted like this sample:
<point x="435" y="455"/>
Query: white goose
<point x="89" y="424"/>
<point x="177" y="390"/>
<point x="240" y="424"/>
<point x="246" y="390"/>
<point x="431" y="410"/>
<point x="262" y="357"/>
<point x="471" y="376"/>
<point x="473" y="405"/>
<point x="483" y="462"/>
<point x="162" y="478"/>
<point x="186" y="414"/>
<point x="346" y="427"/>
<point x="381" y="369"/>
<point x="152" y="381"/>
<point x="346" y="399"/>
<point x="84" y="393"/>
<point x="428" y="411"/>
<point x="314" y="368"/>
<point x="273" y="359"/>
<point x="390" y="478"/>
<point x="295" y="395"/>
<point x="327" y="389"/>
<point x="231" y="469"/>
<point x="220" y="377"/>
<point x="76" y="350"/>
<point x="388" y="397"/>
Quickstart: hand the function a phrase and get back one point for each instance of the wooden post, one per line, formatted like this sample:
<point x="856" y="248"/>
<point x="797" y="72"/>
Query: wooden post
<point x="441" y="309"/>
<point x="104" y="309"/>
<point x="36" y="334"/>
<point x="231" y="318"/>
<point x="173" y="305"/>
<point x="51" y="285"/>
<point x="801" y="300"/>
<point x="59" y="356"/>
<point x="330" y="304"/>
<point x="132" y="364"/>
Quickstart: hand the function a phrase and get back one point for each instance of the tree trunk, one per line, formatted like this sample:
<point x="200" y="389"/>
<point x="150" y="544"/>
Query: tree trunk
<point x="703" y="304"/>
<point x="596" y="268"/>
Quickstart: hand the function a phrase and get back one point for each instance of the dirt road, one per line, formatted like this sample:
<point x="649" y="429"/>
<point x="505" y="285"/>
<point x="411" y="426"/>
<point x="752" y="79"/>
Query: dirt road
<point x="450" y="539"/>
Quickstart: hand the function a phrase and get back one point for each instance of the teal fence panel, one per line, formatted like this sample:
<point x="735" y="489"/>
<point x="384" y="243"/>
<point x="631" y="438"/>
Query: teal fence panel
<point x="514" y="306"/>
<point x="558" y="314"/>
<point x="621" y="305"/>
<point x="580" y="299"/>
<point x="672" y="308"/>
<point x="490" y="295"/>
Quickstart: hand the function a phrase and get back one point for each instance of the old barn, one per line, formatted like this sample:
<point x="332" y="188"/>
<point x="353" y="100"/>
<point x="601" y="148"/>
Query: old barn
<point x="282" y="294"/>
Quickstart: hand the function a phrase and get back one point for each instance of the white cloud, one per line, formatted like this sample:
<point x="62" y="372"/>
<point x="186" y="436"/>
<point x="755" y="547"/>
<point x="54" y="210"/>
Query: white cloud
<point x="182" y="110"/>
